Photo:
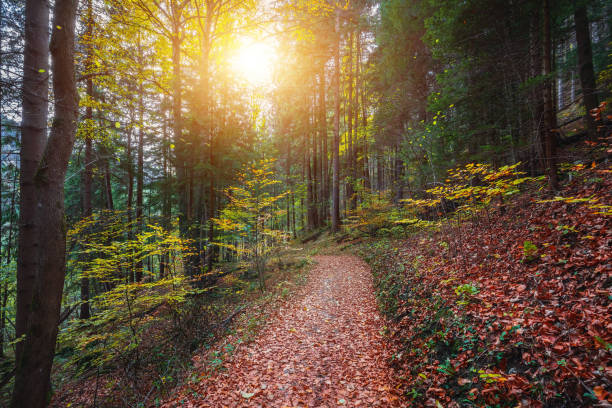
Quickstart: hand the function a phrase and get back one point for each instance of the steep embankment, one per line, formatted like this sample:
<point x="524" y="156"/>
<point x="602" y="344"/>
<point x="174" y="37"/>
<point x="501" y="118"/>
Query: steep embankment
<point x="507" y="310"/>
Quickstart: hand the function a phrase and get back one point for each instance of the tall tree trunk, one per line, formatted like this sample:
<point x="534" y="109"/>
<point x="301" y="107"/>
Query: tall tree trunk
<point x="130" y="194"/>
<point x="335" y="216"/>
<point x="549" y="137"/>
<point x="585" y="65"/>
<point x="108" y="190"/>
<point x="379" y="169"/>
<point x="104" y="159"/>
<point x="33" y="136"/>
<point x="398" y="181"/>
<point x="359" y="172"/>
<point x="166" y="193"/>
<point x="206" y="108"/>
<point x="309" y="174"/>
<point x="315" y="162"/>
<point x="535" y="69"/>
<point x="140" y="174"/>
<point x="39" y="305"/>
<point x="288" y="183"/>
<point x="211" y="253"/>
<point x="364" y="124"/>
<point x="88" y="179"/>
<point x="350" y="162"/>
<point x="324" y="215"/>
<point x="179" y="143"/>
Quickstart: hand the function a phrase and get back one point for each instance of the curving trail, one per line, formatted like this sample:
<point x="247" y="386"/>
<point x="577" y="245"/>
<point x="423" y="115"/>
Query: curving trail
<point x="323" y="350"/>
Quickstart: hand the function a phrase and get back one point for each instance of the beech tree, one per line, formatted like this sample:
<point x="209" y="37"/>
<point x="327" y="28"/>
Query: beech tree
<point x="42" y="239"/>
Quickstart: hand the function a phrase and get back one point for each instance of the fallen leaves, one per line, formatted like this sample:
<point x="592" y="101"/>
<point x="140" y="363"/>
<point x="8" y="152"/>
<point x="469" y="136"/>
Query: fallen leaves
<point x="484" y="325"/>
<point x="323" y="349"/>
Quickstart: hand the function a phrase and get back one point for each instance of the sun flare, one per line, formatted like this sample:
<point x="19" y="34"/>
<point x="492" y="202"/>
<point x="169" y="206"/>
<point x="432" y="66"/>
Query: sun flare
<point x="255" y="61"/>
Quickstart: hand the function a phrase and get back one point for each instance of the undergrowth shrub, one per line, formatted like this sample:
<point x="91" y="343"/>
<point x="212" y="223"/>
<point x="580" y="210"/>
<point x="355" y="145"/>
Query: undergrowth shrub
<point x="136" y="326"/>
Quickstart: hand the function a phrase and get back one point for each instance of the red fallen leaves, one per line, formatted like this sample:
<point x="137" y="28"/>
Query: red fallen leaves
<point x="544" y="326"/>
<point x="324" y="350"/>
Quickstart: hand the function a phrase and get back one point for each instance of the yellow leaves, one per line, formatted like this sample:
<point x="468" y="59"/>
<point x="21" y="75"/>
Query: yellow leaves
<point x="592" y="202"/>
<point x="491" y="377"/>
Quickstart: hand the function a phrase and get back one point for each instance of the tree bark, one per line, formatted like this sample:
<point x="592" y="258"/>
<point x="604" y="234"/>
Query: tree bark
<point x="130" y="195"/>
<point x="549" y="137"/>
<point x="33" y="136"/>
<point x="316" y="182"/>
<point x="140" y="176"/>
<point x="535" y="69"/>
<point x="364" y="124"/>
<point x="39" y="305"/>
<point x="336" y="144"/>
<point x="88" y="179"/>
<point x="166" y="192"/>
<point x="324" y="215"/>
<point x="585" y="66"/>
<point x="310" y="200"/>
<point x="350" y="162"/>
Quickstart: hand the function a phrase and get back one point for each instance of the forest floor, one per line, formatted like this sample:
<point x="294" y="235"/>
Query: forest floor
<point x="323" y="348"/>
<point x="507" y="309"/>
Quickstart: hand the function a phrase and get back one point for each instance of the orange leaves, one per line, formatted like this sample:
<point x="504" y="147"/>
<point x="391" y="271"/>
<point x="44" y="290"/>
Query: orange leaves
<point x="323" y="349"/>
<point x="539" y="331"/>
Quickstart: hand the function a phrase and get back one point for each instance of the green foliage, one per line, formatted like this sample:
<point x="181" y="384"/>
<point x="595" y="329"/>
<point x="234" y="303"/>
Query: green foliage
<point x="123" y="310"/>
<point x="248" y="220"/>
<point x="375" y="214"/>
<point x="473" y="187"/>
<point x="466" y="292"/>
<point x="530" y="251"/>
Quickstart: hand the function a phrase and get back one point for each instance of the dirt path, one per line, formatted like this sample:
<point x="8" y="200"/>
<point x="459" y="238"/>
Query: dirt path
<point x="324" y="350"/>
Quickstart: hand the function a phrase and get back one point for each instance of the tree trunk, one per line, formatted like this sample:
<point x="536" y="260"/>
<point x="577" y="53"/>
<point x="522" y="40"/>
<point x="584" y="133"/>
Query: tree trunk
<point x="140" y="173"/>
<point x="336" y="146"/>
<point x="549" y="137"/>
<point x="88" y="180"/>
<point x="315" y="162"/>
<point x="104" y="159"/>
<point x="33" y="136"/>
<point x="166" y="193"/>
<point x="181" y="152"/>
<point x="585" y="66"/>
<point x="324" y="215"/>
<point x="398" y="181"/>
<point x="379" y="170"/>
<point x="39" y="304"/>
<point x="535" y="69"/>
<point x="130" y="195"/>
<point x="310" y="185"/>
<point x="350" y="162"/>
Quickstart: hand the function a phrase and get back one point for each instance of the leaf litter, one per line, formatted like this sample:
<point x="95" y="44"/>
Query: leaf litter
<point x="322" y="349"/>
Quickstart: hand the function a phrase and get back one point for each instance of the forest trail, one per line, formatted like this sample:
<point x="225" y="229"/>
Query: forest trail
<point x="323" y="350"/>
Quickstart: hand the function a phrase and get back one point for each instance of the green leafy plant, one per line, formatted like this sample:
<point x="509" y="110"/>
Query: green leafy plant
<point x="247" y="221"/>
<point x="530" y="251"/>
<point x="466" y="292"/>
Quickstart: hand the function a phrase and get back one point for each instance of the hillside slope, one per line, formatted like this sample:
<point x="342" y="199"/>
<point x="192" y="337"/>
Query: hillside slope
<point x="507" y="310"/>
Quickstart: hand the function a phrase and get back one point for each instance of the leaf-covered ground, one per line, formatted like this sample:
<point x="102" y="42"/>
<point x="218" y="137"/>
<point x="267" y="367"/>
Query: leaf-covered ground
<point x="507" y="310"/>
<point x="324" y="349"/>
